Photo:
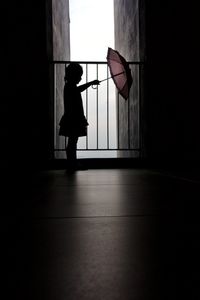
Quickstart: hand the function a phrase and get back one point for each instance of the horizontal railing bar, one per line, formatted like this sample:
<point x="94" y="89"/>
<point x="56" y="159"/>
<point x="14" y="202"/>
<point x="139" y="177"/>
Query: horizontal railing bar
<point x="91" y="62"/>
<point x="103" y="149"/>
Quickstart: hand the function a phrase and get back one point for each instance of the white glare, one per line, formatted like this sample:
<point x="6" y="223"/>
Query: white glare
<point x="91" y="29"/>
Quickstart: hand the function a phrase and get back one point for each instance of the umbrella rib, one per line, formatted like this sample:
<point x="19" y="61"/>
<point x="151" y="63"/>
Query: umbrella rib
<point x="123" y="86"/>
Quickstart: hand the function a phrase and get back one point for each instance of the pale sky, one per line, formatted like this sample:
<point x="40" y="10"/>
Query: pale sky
<point x="91" y="29"/>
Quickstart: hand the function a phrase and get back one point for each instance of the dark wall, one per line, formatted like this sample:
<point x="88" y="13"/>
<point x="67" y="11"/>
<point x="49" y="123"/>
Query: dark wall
<point x="172" y="92"/>
<point x="26" y="128"/>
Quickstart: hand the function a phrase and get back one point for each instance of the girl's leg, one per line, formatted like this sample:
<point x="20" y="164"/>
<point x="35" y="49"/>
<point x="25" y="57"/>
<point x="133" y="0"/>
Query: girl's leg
<point x="71" y="151"/>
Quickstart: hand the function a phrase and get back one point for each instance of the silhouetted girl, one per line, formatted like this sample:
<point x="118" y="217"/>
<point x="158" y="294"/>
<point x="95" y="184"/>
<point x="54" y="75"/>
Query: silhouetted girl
<point x="73" y="123"/>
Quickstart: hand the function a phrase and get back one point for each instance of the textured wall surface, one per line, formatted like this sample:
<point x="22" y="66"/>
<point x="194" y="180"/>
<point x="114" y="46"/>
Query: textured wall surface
<point x="61" y="51"/>
<point x="61" y="32"/>
<point x="126" y="16"/>
<point x="127" y="28"/>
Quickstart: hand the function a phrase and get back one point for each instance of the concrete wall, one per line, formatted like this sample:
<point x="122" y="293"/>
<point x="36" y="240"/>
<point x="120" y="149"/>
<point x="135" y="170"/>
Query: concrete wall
<point x="61" y="30"/>
<point x="127" y="28"/>
<point x="61" y="51"/>
<point x="126" y="17"/>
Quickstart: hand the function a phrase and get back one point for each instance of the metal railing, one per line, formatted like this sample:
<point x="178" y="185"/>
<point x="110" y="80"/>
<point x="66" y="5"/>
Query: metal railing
<point x="114" y="123"/>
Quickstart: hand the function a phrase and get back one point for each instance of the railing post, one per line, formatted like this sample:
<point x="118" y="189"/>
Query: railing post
<point x="97" y="96"/>
<point x="118" y="145"/>
<point x="128" y="120"/>
<point x="87" y="103"/>
<point x="108" y="125"/>
<point x="54" y="108"/>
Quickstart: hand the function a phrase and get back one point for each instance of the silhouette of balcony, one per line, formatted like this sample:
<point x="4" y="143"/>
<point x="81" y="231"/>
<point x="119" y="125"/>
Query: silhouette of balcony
<point x="114" y="123"/>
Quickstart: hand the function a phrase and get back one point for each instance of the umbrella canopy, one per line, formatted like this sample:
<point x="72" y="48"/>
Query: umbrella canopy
<point x="120" y="72"/>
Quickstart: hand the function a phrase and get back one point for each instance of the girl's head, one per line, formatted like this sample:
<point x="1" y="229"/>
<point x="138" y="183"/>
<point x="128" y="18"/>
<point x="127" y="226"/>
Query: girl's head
<point x="73" y="73"/>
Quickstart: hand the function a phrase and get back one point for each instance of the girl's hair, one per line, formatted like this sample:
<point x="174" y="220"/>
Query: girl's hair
<point x="73" y="71"/>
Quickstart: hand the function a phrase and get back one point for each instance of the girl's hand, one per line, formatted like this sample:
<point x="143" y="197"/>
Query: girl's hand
<point x="96" y="82"/>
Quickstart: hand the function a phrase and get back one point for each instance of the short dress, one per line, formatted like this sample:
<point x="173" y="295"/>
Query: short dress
<point x="73" y="122"/>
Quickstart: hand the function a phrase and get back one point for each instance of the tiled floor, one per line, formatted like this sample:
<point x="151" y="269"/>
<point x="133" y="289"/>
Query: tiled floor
<point x="103" y="235"/>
